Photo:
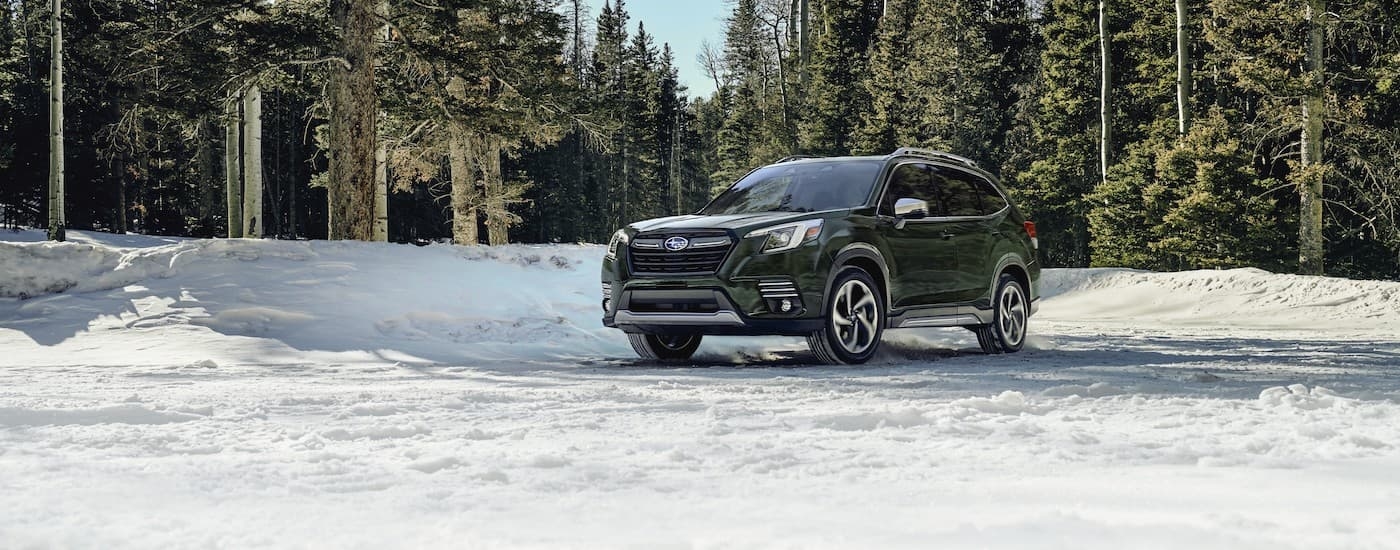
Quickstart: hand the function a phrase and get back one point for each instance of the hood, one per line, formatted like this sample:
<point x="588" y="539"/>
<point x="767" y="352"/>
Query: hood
<point x="733" y="222"/>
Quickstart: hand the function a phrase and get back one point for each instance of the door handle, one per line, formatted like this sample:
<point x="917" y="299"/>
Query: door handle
<point x="947" y="236"/>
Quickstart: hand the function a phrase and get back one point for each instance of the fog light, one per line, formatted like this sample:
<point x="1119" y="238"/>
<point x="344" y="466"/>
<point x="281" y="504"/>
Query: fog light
<point x="786" y="306"/>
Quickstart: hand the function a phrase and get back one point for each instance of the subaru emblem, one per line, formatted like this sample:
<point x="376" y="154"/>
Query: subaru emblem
<point x="676" y="244"/>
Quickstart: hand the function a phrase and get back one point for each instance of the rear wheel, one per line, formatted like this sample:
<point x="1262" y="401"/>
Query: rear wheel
<point x="855" y="320"/>
<point x="1010" y="317"/>
<point x="664" y="348"/>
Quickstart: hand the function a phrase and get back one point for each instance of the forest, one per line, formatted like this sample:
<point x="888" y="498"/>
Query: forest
<point x="1194" y="134"/>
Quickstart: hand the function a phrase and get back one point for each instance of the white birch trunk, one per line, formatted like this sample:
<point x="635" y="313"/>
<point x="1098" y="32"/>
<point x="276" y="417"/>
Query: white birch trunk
<point x="252" y="164"/>
<point x="1310" y="238"/>
<point x="381" y="193"/>
<point x="233" y="168"/>
<point x="1105" y="93"/>
<point x="380" y="232"/>
<point x="57" y="222"/>
<point x="1183" y="71"/>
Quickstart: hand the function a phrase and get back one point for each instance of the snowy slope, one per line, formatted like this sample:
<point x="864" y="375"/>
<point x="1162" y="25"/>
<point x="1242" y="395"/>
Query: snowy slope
<point x="181" y="393"/>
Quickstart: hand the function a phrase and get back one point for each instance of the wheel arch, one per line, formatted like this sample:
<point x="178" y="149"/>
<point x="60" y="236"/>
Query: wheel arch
<point x="1013" y="265"/>
<point x="865" y="257"/>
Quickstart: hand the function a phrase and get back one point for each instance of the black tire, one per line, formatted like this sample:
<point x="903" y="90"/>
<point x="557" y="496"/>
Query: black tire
<point x="1011" y="315"/>
<point x="850" y="336"/>
<point x="664" y="348"/>
<point x="987" y="340"/>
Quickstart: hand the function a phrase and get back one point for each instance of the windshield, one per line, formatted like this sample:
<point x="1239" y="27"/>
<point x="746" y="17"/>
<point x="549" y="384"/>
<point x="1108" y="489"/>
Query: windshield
<point x="802" y="187"/>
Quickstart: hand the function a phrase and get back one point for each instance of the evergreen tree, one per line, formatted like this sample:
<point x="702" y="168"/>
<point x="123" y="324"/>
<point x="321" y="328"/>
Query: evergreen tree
<point x="891" y="105"/>
<point x="835" y="96"/>
<point x="950" y="82"/>
<point x="1063" y="167"/>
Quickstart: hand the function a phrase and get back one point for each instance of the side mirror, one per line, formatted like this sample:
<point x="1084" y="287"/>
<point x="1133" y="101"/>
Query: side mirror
<point x="910" y="209"/>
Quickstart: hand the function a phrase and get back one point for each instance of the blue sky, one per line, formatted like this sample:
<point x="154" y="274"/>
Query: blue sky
<point x="682" y="23"/>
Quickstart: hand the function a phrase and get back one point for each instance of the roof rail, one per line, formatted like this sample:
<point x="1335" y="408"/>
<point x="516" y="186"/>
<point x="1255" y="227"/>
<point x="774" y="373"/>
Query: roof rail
<point x="931" y="154"/>
<point x="795" y="157"/>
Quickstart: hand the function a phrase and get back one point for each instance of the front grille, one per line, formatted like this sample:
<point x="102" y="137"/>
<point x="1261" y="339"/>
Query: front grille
<point x="706" y="252"/>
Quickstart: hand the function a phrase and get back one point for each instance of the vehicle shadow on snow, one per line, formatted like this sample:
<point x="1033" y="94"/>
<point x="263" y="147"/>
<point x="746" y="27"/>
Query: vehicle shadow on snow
<point x="1226" y="367"/>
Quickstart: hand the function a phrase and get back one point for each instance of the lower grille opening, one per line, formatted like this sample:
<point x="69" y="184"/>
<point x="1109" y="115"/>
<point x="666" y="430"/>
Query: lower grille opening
<point x="674" y="302"/>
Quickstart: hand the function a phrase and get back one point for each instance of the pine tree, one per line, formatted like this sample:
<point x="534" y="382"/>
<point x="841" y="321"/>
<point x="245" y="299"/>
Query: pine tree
<point x="835" y="96"/>
<point x="1221" y="217"/>
<point x="1064" y="124"/>
<point x="887" y="83"/>
<point x="956" y="110"/>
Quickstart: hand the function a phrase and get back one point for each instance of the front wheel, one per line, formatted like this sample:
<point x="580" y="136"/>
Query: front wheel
<point x="1010" y="317"/>
<point x="664" y="348"/>
<point x="855" y="320"/>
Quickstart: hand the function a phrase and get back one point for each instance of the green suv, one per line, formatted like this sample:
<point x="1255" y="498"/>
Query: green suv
<point x="833" y="249"/>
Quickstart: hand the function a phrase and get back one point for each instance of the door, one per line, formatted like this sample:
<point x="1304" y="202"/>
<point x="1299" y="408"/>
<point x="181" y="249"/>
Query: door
<point x="920" y="253"/>
<point x="974" y="217"/>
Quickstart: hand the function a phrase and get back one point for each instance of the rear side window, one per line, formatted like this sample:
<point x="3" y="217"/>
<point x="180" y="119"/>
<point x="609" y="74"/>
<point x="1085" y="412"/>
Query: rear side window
<point x="960" y="193"/>
<point x="992" y="201"/>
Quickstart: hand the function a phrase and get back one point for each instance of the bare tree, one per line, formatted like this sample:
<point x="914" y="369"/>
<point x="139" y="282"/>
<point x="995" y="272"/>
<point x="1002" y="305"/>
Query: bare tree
<point x="56" y="206"/>
<point x="1183" y="70"/>
<point x="252" y="163"/>
<point x="711" y="59"/>
<point x="1310" y="182"/>
<point x="233" y="168"/>
<point x="1105" y="92"/>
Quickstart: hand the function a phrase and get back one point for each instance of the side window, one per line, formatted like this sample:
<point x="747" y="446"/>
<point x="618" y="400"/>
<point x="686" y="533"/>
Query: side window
<point x="992" y="201"/>
<point x="960" y="194"/>
<point x="911" y="181"/>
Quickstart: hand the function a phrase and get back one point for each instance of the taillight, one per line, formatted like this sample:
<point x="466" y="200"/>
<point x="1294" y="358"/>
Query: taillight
<point x="1030" y="231"/>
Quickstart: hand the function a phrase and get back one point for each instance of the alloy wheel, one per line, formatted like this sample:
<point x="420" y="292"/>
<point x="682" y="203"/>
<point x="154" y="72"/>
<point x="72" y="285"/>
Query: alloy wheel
<point x="1012" y="315"/>
<point x="855" y="317"/>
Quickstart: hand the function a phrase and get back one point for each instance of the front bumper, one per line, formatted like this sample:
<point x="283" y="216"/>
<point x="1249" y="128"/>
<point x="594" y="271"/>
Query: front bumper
<point x="748" y="294"/>
<point x="641" y="307"/>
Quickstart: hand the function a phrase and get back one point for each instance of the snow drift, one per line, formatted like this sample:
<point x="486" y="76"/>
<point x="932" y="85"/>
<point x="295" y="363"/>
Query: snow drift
<point x="445" y="303"/>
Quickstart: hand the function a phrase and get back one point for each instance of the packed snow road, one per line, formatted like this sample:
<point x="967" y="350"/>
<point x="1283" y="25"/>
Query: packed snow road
<point x="169" y="393"/>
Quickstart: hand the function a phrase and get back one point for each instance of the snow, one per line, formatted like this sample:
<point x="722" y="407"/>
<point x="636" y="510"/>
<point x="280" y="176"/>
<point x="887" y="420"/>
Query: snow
<point x="186" y="393"/>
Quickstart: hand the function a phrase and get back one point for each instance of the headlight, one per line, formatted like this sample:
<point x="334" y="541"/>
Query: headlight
<point x="788" y="236"/>
<point x="618" y="239"/>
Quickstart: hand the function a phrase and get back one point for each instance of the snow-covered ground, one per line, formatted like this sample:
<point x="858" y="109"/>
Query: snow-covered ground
<point x="166" y="393"/>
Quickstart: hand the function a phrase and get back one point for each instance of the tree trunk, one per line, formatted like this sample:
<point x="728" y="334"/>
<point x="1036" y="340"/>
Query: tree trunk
<point x="354" y="106"/>
<point x="381" y="160"/>
<point x="1105" y="93"/>
<point x="233" y="168"/>
<point x="123" y="224"/>
<point x="57" y="221"/>
<point x="804" y="43"/>
<point x="381" y="193"/>
<point x="577" y="59"/>
<point x="208" y="175"/>
<point x="1183" y="71"/>
<point x="1310" y="245"/>
<point x="464" y="195"/>
<point x="252" y="164"/>
<point x="497" y="217"/>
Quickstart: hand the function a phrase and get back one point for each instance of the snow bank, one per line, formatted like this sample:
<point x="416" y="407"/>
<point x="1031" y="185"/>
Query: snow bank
<point x="359" y="300"/>
<point x="443" y="303"/>
<point x="1249" y="298"/>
